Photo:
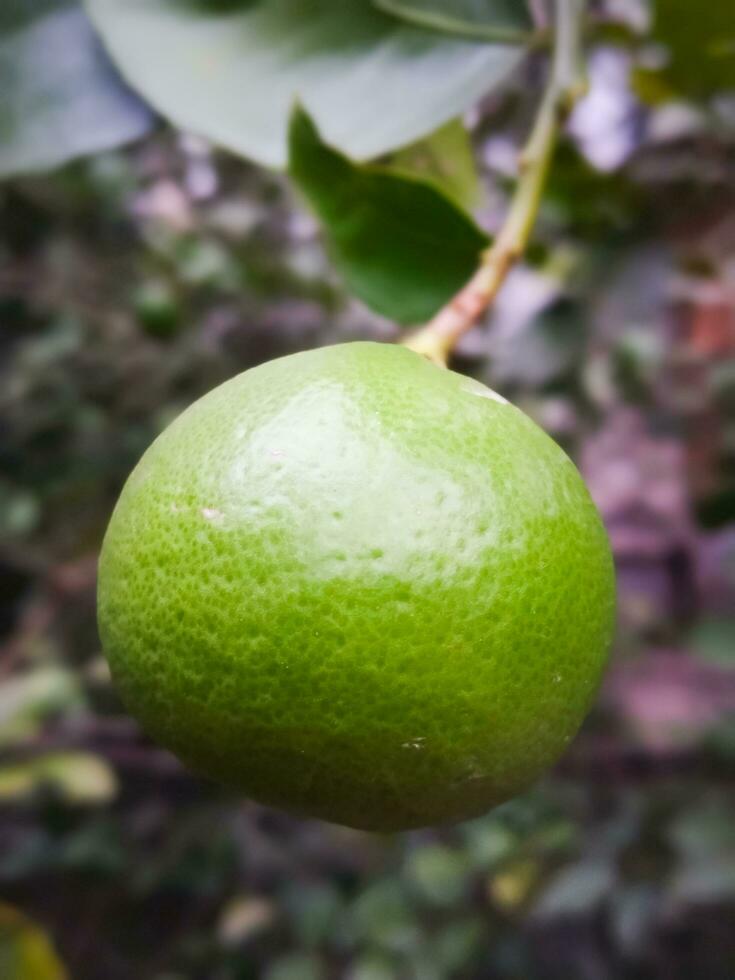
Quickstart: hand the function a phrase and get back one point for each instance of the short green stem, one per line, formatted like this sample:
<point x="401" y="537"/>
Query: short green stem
<point x="566" y="84"/>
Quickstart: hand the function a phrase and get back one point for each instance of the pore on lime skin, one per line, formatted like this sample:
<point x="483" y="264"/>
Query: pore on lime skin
<point x="359" y="587"/>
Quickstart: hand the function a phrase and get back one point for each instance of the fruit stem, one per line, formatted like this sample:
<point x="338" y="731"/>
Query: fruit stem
<point x="566" y="85"/>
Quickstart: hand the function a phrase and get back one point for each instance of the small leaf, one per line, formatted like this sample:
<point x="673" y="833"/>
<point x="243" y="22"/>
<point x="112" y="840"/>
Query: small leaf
<point x="439" y="874"/>
<point x="511" y="887"/>
<point x="489" y="20"/>
<point x="445" y="158"/>
<point x="59" y="95"/>
<point x="633" y="912"/>
<point x="400" y="244"/>
<point x="25" y="951"/>
<point x="382" y="916"/>
<point x="710" y="882"/>
<point x="456" y="945"/>
<point x="296" y="966"/>
<point x="488" y="841"/>
<point x="313" y="910"/>
<point x="77" y="777"/>
<point x="28" y="699"/>
<point x="243" y="917"/>
<point x="232" y="71"/>
<point x="714" y="639"/>
<point x="703" y="832"/>
<point x="576" y="891"/>
<point x="372" y="966"/>
<point x="700" y="51"/>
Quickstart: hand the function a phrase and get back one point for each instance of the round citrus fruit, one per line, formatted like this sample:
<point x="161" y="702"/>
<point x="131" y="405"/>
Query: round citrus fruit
<point x="360" y="587"/>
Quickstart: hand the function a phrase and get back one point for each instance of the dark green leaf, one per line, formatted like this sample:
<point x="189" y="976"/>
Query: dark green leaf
<point x="699" y="45"/>
<point x="232" y="73"/>
<point x="401" y="245"/>
<point x="59" y="95"/>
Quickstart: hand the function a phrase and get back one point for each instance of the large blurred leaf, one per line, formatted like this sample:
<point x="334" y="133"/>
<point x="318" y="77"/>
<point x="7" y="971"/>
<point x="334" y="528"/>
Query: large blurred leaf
<point x="232" y="71"/>
<point x="59" y="95"/>
<point x="699" y="40"/>
<point x="25" y="951"/>
<point x="489" y="19"/>
<point x="401" y="245"/>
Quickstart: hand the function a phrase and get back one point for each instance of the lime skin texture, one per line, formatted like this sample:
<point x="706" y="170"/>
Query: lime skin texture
<point x="360" y="587"/>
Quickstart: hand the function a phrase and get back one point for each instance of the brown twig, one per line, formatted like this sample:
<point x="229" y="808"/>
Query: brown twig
<point x="566" y="84"/>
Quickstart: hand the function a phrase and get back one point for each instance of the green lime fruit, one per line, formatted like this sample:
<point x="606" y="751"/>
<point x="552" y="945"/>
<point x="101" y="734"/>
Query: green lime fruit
<point x="359" y="587"/>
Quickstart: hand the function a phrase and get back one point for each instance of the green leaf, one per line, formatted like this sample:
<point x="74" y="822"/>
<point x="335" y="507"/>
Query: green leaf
<point x="59" y="95"/>
<point x="382" y="916"/>
<point x="400" y="244"/>
<point x="232" y="73"/>
<point x="489" y="20"/>
<point x="28" y="699"/>
<point x="700" y="51"/>
<point x="77" y="777"/>
<point x="25" y="951"/>
<point x="439" y="874"/>
<point x="456" y="945"/>
<point x="446" y="158"/>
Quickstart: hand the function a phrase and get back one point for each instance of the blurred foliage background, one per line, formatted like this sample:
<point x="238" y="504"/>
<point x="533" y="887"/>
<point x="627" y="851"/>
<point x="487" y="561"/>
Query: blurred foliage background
<point x="134" y="281"/>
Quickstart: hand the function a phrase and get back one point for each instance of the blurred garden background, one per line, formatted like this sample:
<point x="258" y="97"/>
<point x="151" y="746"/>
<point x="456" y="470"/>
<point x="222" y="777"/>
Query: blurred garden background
<point x="133" y="281"/>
